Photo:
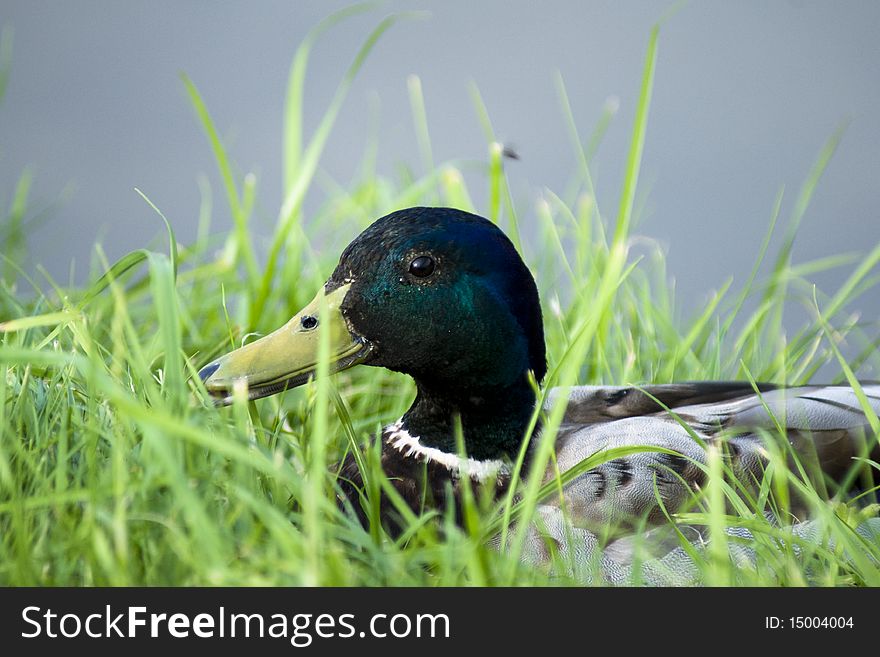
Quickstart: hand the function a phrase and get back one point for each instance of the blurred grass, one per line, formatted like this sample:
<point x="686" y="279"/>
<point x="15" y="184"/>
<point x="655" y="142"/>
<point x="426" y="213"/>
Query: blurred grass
<point x="115" y="470"/>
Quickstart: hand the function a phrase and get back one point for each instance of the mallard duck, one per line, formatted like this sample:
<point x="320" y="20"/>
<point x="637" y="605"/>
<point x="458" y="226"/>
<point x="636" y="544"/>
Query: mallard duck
<point x="443" y="296"/>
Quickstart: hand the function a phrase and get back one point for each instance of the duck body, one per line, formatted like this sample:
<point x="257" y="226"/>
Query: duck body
<point x="443" y="296"/>
<point x="825" y="427"/>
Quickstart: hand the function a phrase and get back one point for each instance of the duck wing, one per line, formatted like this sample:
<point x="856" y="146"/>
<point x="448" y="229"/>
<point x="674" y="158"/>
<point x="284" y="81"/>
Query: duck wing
<point x="825" y="425"/>
<point x="594" y="404"/>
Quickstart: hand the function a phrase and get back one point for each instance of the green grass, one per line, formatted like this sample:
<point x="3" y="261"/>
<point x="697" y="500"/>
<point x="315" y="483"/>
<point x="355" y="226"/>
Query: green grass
<point x="115" y="470"/>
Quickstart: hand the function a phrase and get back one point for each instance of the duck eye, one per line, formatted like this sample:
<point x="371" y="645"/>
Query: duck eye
<point x="422" y="266"/>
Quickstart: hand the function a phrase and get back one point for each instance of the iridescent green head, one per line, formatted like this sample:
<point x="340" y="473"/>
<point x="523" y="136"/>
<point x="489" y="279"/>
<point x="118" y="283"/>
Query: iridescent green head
<point x="436" y="293"/>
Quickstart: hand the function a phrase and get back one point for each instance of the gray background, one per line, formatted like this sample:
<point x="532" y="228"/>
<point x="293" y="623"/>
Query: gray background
<point x="745" y="95"/>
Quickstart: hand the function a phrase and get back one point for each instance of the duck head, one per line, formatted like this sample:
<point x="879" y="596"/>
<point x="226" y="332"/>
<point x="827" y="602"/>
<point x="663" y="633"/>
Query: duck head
<point x="436" y="293"/>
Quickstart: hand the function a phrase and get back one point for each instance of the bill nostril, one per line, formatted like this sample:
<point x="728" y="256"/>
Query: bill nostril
<point x="207" y="371"/>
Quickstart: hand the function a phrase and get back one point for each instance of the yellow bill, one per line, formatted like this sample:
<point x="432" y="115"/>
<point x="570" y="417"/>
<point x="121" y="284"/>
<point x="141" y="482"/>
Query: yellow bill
<point x="287" y="357"/>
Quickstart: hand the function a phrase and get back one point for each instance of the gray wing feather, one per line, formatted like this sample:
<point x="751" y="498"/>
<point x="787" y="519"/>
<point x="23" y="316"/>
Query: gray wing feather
<point x="825" y="424"/>
<point x="809" y="408"/>
<point x="595" y="404"/>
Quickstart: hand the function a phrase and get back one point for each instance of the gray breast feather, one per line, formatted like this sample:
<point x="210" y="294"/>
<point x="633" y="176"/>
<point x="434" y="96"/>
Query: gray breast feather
<point x="623" y="488"/>
<point x="668" y="563"/>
